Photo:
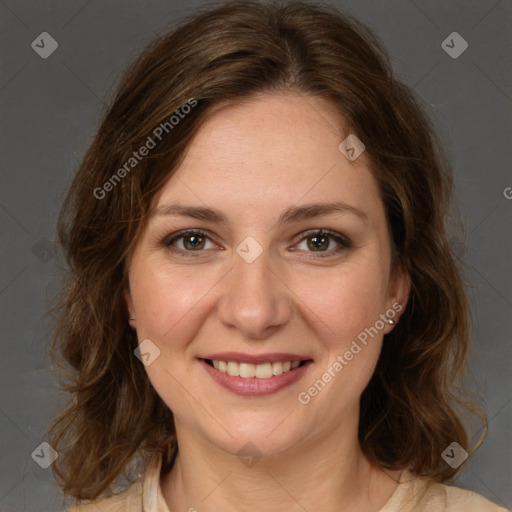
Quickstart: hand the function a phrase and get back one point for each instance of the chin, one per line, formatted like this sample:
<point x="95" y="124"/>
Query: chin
<point x="271" y="433"/>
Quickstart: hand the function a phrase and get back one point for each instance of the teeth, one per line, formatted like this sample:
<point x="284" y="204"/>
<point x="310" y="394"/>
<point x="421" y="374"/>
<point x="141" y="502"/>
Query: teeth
<point x="277" y="368"/>
<point x="233" y="369"/>
<point x="259" y="371"/>
<point x="263" y="371"/>
<point x="247" y="370"/>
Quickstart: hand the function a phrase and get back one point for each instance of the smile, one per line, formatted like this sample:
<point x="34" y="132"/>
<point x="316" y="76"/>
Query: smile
<point x="258" y="371"/>
<point x="255" y="378"/>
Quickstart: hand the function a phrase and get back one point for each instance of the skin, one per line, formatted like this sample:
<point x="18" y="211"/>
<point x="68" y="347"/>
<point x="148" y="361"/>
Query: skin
<point x="252" y="161"/>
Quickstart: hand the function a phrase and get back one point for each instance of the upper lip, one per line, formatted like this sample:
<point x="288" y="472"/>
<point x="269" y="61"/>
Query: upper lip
<point x="240" y="357"/>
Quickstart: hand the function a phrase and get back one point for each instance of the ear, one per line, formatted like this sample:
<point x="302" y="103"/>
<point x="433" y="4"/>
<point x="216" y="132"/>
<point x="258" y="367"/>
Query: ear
<point x="130" y="307"/>
<point x="400" y="288"/>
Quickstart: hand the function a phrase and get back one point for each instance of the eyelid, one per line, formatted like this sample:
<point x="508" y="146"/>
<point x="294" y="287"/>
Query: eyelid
<point x="341" y="238"/>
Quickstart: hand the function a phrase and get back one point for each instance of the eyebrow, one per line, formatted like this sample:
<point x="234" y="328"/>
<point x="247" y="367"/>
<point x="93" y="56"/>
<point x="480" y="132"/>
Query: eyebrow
<point x="294" y="214"/>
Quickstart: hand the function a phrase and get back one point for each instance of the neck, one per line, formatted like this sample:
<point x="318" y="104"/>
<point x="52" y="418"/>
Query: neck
<point x="330" y="474"/>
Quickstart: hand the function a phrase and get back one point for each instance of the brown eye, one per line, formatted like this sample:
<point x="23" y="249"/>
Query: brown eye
<point x="319" y="241"/>
<point x="192" y="241"/>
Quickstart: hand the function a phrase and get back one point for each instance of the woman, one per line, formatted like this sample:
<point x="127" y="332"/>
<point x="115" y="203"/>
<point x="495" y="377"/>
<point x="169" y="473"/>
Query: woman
<point x="262" y="310"/>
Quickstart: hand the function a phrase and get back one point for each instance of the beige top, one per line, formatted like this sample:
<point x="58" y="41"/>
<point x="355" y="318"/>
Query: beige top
<point x="413" y="494"/>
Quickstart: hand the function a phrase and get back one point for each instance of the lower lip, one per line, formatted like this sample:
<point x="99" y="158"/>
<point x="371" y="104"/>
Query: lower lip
<point x="254" y="386"/>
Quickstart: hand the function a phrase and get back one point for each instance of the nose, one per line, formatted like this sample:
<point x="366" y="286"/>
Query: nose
<point x="255" y="300"/>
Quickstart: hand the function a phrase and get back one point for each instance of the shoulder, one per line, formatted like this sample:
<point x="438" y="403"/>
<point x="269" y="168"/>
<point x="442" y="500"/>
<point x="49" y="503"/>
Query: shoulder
<point x="129" y="500"/>
<point x="455" y="499"/>
<point x="143" y="494"/>
<point x="419" y="494"/>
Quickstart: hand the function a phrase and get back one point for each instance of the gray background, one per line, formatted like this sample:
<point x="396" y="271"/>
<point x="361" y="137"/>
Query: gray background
<point x="50" y="109"/>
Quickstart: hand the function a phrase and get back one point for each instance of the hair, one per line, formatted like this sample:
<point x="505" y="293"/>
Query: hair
<point x="221" y="57"/>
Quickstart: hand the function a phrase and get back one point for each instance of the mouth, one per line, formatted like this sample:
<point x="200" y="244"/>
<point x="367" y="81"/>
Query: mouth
<point x="263" y="375"/>
<point x="258" y="371"/>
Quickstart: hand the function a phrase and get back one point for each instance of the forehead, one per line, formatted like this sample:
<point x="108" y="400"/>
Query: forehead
<point x="269" y="152"/>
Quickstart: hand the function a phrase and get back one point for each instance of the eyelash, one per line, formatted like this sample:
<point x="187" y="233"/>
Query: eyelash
<point x="344" y="243"/>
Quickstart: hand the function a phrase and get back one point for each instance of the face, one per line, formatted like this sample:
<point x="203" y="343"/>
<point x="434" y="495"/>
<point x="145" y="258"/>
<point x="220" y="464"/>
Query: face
<point x="254" y="285"/>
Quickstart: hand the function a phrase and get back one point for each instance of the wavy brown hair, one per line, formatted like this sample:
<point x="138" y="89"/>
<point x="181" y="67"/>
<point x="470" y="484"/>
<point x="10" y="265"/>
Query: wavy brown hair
<point x="219" y="57"/>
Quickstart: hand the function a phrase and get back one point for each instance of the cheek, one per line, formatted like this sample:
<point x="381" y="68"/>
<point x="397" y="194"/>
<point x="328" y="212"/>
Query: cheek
<point x="165" y="301"/>
<point x="168" y="306"/>
<point x="346" y="301"/>
<point x="349" y="304"/>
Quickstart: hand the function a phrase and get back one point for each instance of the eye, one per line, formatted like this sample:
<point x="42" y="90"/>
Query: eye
<point x="321" y="240"/>
<point x="193" y="240"/>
